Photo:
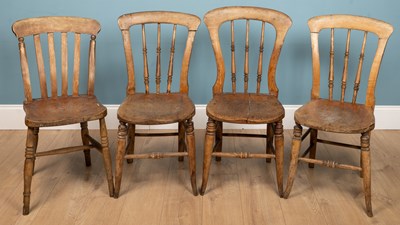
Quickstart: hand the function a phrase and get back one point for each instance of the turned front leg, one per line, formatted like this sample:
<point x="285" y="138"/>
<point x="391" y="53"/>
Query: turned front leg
<point x="106" y="156"/>
<point x="366" y="171"/>
<point x="208" y="148"/>
<point x="119" y="158"/>
<point x="279" y="156"/>
<point x="294" y="158"/>
<point x="191" y="147"/>
<point x="30" y="152"/>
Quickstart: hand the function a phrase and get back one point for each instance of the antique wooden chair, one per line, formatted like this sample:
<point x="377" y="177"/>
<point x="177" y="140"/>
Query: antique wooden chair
<point x="346" y="114"/>
<point x="64" y="105"/>
<point x="157" y="105"/>
<point x="245" y="107"/>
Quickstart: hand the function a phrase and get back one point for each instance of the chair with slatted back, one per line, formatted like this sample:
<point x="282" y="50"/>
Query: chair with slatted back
<point x="345" y="114"/>
<point x="256" y="107"/>
<point x="165" y="102"/>
<point x="65" y="105"/>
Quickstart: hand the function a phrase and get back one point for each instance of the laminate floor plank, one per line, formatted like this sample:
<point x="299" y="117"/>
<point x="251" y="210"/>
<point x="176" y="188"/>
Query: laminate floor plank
<point x="222" y="199"/>
<point x="302" y="206"/>
<point x="239" y="191"/>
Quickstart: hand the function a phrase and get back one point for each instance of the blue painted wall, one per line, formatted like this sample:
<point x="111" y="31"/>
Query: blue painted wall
<point x="294" y="70"/>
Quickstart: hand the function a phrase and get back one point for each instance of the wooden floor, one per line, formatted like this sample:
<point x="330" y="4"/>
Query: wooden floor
<point x="64" y="191"/>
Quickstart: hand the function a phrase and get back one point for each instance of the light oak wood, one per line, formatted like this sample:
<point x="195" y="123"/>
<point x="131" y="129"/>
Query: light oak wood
<point x="338" y="115"/>
<point x="68" y="106"/>
<point x="157" y="107"/>
<point x="237" y="194"/>
<point x="247" y="106"/>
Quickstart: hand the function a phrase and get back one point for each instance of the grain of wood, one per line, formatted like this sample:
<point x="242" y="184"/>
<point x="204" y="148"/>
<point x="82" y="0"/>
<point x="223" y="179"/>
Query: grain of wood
<point x="62" y="109"/>
<point x="239" y="192"/>
<point x="258" y="193"/>
<point x="223" y="191"/>
<point x="249" y="106"/>
<point x="154" y="108"/>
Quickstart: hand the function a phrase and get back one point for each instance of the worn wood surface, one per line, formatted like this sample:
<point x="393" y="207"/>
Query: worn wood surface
<point x="157" y="107"/>
<point x="341" y="116"/>
<point x="182" y="20"/>
<point x="336" y="116"/>
<point x="379" y="28"/>
<point x="240" y="191"/>
<point x="216" y="17"/>
<point x="62" y="24"/>
<point x="247" y="106"/>
<point x="63" y="110"/>
<point x="41" y="26"/>
<point x="65" y="106"/>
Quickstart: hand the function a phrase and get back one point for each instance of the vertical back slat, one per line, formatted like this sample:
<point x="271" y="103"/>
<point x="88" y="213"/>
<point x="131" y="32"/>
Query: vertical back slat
<point x="92" y="65"/>
<point x="158" y="67"/>
<point x="346" y="64"/>
<point x="331" y="64"/>
<point x="260" y="58"/>
<point x="129" y="61"/>
<point x="25" y="69"/>
<point x="233" y="59"/>
<point x="53" y="64"/>
<point x="40" y="65"/>
<point x="359" y="69"/>
<point x="246" y="58"/>
<point x="171" y="60"/>
<point x="77" y="62"/>
<point x="146" y="68"/>
<point x="64" y="63"/>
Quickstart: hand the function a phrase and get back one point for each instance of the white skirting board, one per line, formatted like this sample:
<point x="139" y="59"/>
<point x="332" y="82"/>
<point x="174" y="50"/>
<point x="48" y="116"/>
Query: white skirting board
<point x="12" y="118"/>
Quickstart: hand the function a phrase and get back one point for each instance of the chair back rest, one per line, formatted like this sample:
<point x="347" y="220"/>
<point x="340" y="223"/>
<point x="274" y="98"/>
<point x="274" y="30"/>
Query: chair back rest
<point x="157" y="20"/>
<point x="350" y="24"/>
<point x="279" y="21"/>
<point x="57" y="30"/>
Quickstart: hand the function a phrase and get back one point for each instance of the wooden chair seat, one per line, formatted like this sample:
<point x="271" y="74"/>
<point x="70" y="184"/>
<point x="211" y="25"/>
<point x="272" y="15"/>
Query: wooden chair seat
<point x="245" y="108"/>
<point x="153" y="109"/>
<point x="335" y="116"/>
<point x="63" y="110"/>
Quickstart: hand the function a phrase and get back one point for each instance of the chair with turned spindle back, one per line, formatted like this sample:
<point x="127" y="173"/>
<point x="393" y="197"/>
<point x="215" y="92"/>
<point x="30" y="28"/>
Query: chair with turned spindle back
<point x="165" y="102"/>
<point x="249" y="106"/>
<point x="71" y="101"/>
<point x="347" y="114"/>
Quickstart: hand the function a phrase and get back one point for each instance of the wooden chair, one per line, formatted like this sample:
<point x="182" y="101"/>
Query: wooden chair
<point x="157" y="105"/>
<point x="245" y="107"/>
<point x="64" y="105"/>
<point x="344" y="115"/>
